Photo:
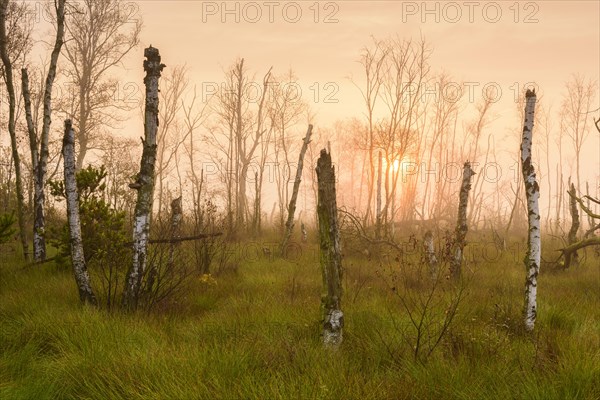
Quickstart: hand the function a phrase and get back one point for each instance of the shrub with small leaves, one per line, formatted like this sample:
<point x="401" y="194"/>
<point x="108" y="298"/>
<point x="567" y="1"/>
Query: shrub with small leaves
<point x="102" y="228"/>
<point x="6" y="229"/>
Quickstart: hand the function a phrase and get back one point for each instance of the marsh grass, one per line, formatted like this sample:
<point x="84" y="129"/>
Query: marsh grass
<point x="254" y="334"/>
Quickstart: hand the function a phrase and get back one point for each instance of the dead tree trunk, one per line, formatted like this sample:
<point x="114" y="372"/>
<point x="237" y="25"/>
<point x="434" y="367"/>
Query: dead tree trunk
<point x="378" y="215"/>
<point x="330" y="254"/>
<point x="174" y="241"/>
<point x="176" y="217"/>
<point x="145" y="180"/>
<point x="571" y="249"/>
<point x="532" y="192"/>
<point x="289" y="225"/>
<point x="82" y="278"/>
<point x="572" y="236"/>
<point x="430" y="254"/>
<point x="461" y="223"/>
<point x="12" y="101"/>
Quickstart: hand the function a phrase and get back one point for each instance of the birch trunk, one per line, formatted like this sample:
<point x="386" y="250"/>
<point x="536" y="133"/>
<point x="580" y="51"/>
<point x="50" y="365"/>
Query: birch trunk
<point x="174" y="241"/>
<point x="461" y="223"/>
<point x="532" y="192"/>
<point x="82" y="278"/>
<point x="39" y="220"/>
<point x="12" y="101"/>
<point x="330" y="253"/>
<point x="572" y="236"/>
<point x="289" y="225"/>
<point x="145" y="180"/>
<point x="430" y="254"/>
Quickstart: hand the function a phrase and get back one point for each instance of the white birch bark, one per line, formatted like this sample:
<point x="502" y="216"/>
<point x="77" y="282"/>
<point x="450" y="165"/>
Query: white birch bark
<point x="461" y="223"/>
<point x="82" y="278"/>
<point x="39" y="220"/>
<point x="532" y="192"/>
<point x="432" y="261"/>
<point x="145" y="180"/>
<point x="289" y="225"/>
<point x="330" y="253"/>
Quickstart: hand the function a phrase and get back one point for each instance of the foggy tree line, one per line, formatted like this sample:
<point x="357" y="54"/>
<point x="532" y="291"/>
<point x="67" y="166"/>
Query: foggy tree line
<point x="253" y="144"/>
<point x="253" y="140"/>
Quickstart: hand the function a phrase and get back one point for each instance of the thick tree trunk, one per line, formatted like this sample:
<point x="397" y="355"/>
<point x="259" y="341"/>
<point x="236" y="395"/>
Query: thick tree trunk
<point x="289" y="225"/>
<point x="82" y="278"/>
<point x="330" y="254"/>
<point x="461" y="223"/>
<point x="8" y="78"/>
<point x="145" y="180"/>
<point x="532" y="192"/>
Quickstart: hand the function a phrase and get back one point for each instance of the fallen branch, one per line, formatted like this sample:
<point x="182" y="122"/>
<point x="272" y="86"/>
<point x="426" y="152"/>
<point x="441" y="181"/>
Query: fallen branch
<point x="363" y="235"/>
<point x="180" y="239"/>
<point x="591" y="230"/>
<point x="583" y="206"/>
<point x="579" y="245"/>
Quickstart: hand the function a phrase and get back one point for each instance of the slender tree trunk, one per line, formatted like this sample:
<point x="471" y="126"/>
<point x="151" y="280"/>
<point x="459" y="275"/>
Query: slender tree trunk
<point x="39" y="220"/>
<point x="572" y="236"/>
<point x="39" y="245"/>
<point x="145" y="180"/>
<point x="82" y="278"/>
<point x="257" y="190"/>
<point x="289" y="225"/>
<point x="176" y="217"/>
<point x="559" y="197"/>
<point x="378" y="216"/>
<point x="532" y="192"/>
<point x="430" y="254"/>
<point x="461" y="223"/>
<point x="330" y="254"/>
<point x="8" y="77"/>
<point x="589" y="204"/>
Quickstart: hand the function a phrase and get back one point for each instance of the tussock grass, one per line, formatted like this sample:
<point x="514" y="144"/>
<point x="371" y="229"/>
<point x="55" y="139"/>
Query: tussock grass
<point x="255" y="335"/>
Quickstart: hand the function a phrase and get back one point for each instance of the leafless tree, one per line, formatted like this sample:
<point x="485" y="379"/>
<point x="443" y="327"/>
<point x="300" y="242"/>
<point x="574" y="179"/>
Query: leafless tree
<point x="396" y="71"/>
<point x="575" y="110"/>
<point x="99" y="35"/>
<point x="14" y="19"/>
<point x="285" y="110"/>
<point x="240" y="125"/>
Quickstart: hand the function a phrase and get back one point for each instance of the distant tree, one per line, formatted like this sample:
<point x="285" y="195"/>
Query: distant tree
<point x="13" y="47"/>
<point x="575" y="110"/>
<point x="236" y="133"/>
<point x="99" y="35"/>
<point x="285" y="109"/>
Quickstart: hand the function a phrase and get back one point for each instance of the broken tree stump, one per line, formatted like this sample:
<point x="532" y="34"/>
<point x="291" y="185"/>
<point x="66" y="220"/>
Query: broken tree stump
<point x="330" y="253"/>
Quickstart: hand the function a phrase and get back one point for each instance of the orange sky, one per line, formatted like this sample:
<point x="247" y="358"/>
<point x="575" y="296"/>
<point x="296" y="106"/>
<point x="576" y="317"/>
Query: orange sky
<point x="505" y="43"/>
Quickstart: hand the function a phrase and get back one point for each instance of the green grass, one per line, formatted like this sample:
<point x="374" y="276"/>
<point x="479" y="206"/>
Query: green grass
<point x="255" y="335"/>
